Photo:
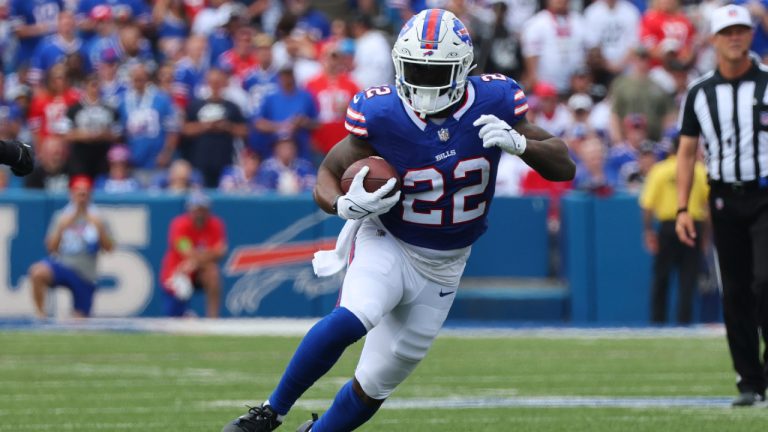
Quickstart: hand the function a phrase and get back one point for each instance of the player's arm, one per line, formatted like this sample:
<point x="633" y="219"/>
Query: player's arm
<point x="341" y="156"/>
<point x="545" y="153"/>
<point x="18" y="156"/>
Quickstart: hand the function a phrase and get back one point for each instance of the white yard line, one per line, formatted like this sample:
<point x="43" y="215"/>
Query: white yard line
<point x="298" y="327"/>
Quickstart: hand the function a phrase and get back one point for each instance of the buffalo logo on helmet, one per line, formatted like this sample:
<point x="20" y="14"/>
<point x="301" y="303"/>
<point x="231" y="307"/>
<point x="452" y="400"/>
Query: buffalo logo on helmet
<point x="461" y="32"/>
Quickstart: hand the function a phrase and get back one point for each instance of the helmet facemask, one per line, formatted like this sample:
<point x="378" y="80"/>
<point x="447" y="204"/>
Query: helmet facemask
<point x="430" y="86"/>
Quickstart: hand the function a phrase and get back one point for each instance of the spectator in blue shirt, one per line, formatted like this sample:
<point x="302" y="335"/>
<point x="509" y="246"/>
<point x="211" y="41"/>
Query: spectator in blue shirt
<point x="56" y="47"/>
<point x="31" y="21"/>
<point x="285" y="172"/>
<point x="150" y="122"/>
<point x="288" y="111"/>
<point x="309" y="19"/>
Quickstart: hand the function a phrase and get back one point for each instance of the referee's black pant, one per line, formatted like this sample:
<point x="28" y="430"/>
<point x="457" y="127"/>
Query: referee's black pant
<point x="674" y="254"/>
<point x="740" y="224"/>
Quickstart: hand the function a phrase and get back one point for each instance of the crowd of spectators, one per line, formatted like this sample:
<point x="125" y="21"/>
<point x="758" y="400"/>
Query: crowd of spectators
<point x="247" y="96"/>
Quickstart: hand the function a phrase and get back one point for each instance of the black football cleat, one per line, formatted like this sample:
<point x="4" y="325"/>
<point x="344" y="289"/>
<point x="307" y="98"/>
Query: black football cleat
<point x="747" y="398"/>
<point x="307" y="425"/>
<point x="257" y="419"/>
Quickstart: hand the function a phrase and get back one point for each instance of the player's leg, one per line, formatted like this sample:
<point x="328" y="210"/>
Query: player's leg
<point x="392" y="351"/>
<point x="41" y="277"/>
<point x="209" y="277"/>
<point x="371" y="288"/>
<point x="82" y="293"/>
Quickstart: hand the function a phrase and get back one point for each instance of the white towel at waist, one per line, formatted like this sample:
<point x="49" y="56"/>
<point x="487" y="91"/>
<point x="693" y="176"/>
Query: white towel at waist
<point x="329" y="262"/>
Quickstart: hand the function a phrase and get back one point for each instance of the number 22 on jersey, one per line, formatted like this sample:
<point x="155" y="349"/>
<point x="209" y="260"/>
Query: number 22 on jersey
<point x="459" y="211"/>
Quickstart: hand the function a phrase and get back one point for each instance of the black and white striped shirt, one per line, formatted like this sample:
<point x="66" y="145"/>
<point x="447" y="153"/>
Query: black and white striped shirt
<point x="732" y="116"/>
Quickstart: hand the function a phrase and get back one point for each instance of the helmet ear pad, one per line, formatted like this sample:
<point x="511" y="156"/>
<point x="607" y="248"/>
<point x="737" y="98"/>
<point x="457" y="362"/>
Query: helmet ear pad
<point x="433" y="57"/>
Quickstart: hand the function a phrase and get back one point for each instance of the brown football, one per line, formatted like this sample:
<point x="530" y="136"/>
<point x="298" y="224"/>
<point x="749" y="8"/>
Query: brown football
<point x="380" y="171"/>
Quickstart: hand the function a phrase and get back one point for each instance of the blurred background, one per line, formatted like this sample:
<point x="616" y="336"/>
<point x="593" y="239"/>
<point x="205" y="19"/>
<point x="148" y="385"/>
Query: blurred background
<point x="115" y="90"/>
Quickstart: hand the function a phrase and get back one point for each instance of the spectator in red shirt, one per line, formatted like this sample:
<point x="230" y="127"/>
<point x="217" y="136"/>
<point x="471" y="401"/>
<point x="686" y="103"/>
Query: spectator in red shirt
<point x="239" y="60"/>
<point x="196" y="243"/>
<point x="48" y="109"/>
<point x="332" y="89"/>
<point x="666" y="31"/>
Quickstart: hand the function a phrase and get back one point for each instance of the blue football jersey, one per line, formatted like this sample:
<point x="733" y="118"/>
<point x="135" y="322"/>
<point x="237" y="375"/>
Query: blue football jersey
<point x="448" y="176"/>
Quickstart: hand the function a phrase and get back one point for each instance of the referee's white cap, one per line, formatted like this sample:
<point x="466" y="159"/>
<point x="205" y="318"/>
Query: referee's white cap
<point x="730" y="15"/>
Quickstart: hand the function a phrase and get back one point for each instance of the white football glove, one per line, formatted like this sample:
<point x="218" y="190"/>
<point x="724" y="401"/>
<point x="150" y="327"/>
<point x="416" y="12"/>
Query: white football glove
<point x="497" y="132"/>
<point x="360" y="204"/>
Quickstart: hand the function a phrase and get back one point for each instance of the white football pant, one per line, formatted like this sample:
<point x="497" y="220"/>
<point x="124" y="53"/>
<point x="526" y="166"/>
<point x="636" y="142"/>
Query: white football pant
<point x="402" y="310"/>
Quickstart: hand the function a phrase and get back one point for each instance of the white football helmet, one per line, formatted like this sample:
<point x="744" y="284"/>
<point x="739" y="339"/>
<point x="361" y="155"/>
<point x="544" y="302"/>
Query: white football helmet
<point x="433" y="56"/>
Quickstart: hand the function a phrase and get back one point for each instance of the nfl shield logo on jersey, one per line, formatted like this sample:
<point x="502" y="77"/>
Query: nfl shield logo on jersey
<point x="443" y="135"/>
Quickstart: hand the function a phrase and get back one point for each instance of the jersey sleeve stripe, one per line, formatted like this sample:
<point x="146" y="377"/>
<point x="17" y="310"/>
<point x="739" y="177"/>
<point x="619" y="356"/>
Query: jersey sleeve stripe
<point x="354" y="115"/>
<point x="522" y="109"/>
<point x="519" y="95"/>
<point x="362" y="132"/>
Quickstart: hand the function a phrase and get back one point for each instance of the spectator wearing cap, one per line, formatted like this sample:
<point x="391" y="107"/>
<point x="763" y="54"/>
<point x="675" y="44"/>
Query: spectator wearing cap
<point x="332" y="90"/>
<point x="103" y="36"/>
<point x="288" y="112"/>
<point x="635" y="92"/>
<point x="659" y="203"/>
<point x="580" y="105"/>
<point x="373" y="62"/>
<point x="170" y="19"/>
<point x="31" y="22"/>
<point x="612" y="29"/>
<point x="211" y="128"/>
<point x="197" y="242"/>
<point x="189" y="74"/>
<point x="56" y="47"/>
<point x="110" y="87"/>
<point x="547" y="111"/>
<point x="633" y="177"/>
<point x="119" y="178"/>
<point x="286" y="172"/>
<point x="261" y="80"/>
<point x="91" y="128"/>
<point x="623" y="156"/>
<point x="554" y="45"/>
<point x="243" y="177"/>
<point x="76" y="235"/>
<point x="150" y="123"/>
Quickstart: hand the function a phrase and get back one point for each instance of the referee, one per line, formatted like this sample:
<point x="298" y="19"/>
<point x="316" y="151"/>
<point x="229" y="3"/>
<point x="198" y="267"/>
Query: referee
<point x="729" y="108"/>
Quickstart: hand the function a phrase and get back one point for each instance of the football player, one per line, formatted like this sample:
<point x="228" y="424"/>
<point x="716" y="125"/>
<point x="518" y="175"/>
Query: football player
<point x="18" y="156"/>
<point x="444" y="133"/>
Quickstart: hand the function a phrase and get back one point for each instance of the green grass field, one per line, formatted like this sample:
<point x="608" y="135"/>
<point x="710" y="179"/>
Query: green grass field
<point x="89" y="382"/>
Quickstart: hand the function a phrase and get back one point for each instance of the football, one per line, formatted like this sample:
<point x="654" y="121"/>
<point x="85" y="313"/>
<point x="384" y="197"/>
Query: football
<point x="380" y="171"/>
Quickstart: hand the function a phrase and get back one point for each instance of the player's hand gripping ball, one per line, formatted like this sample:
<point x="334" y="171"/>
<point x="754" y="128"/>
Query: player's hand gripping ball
<point x="371" y="187"/>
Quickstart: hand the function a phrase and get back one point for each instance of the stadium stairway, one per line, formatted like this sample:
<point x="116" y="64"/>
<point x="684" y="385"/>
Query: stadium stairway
<point x="486" y="300"/>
